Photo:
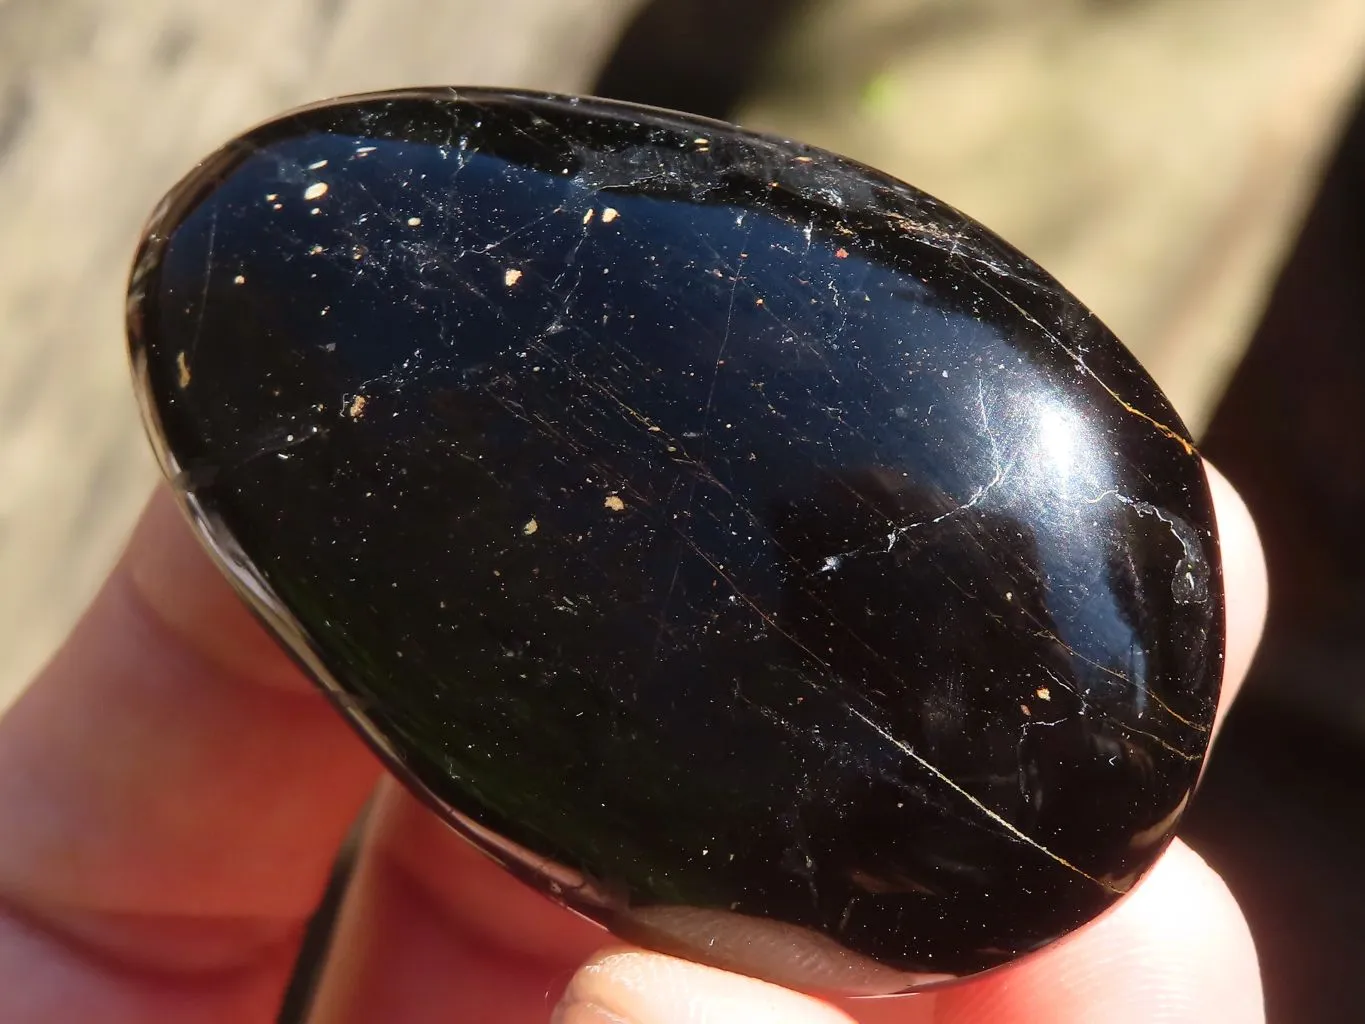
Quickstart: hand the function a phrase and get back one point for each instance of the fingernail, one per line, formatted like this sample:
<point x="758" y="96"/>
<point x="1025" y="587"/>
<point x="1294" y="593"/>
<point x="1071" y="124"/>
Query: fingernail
<point x="586" y="1013"/>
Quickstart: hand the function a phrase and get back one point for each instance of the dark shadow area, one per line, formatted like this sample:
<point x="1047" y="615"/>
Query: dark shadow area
<point x="1279" y="818"/>
<point x="698" y="56"/>
<point x="1280" y="812"/>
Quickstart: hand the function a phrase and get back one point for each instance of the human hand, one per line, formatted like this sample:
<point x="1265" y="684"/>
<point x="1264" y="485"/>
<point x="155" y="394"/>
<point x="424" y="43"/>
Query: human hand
<point x="173" y="792"/>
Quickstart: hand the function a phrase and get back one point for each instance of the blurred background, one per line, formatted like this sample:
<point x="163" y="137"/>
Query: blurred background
<point x="1194" y="170"/>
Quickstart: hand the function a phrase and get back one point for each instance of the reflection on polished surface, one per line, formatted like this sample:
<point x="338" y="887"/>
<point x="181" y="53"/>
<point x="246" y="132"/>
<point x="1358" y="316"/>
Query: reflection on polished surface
<point x="700" y="517"/>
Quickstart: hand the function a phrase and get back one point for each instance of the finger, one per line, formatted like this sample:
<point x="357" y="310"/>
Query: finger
<point x="636" y="987"/>
<point x="1177" y="951"/>
<point x="433" y="931"/>
<point x="424" y="896"/>
<point x="172" y="792"/>
<point x="1245" y="582"/>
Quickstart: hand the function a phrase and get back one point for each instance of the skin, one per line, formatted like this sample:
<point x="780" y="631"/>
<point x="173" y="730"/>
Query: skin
<point x="172" y="792"/>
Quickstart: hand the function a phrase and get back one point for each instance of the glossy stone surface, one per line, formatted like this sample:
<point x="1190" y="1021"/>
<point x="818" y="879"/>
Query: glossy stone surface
<point x="748" y="550"/>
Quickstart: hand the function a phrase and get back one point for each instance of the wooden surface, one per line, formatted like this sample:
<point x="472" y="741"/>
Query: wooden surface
<point x="1153" y="153"/>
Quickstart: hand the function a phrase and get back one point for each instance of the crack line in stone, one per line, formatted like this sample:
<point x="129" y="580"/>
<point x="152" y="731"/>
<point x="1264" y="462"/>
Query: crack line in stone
<point x="1174" y="435"/>
<point x="1050" y="635"/>
<point x="204" y="293"/>
<point x="993" y="815"/>
<point x="1123" y="726"/>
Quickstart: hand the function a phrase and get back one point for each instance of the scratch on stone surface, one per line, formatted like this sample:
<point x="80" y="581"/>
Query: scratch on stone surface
<point x="648" y="168"/>
<point x="900" y="531"/>
<point x="1049" y="635"/>
<point x="830" y="563"/>
<point x="936" y="237"/>
<point x="1025" y="727"/>
<point x="515" y="232"/>
<point x="1124" y="726"/>
<point x="720" y="353"/>
<point x="994" y="816"/>
<point x="204" y="291"/>
<point x="1191" y="580"/>
<point x="767" y="618"/>
<point x="278" y="441"/>
<point x="1002" y="471"/>
<point x="663" y="610"/>
<point x="1169" y="432"/>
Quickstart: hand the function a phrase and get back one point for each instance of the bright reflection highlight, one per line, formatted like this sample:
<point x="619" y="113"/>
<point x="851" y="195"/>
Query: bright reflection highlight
<point x="1064" y="454"/>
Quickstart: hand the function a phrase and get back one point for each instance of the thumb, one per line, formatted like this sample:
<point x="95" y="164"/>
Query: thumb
<point x="627" y="986"/>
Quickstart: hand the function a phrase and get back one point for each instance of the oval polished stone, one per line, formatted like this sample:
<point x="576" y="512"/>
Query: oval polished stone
<point x="747" y="550"/>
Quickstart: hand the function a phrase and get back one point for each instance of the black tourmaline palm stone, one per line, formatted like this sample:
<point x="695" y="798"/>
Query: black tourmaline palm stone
<point x="748" y="550"/>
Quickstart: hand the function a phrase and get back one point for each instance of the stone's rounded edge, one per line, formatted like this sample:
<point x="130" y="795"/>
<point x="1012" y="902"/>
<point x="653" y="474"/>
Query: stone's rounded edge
<point x="934" y="209"/>
<point x="1219" y="594"/>
<point x="776" y="952"/>
<point x="584" y="104"/>
<point x="143" y="278"/>
<point x="937" y="214"/>
<point x="526" y="865"/>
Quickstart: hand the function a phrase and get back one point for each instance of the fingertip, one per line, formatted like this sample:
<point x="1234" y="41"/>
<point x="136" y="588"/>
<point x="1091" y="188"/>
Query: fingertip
<point x="1244" y="558"/>
<point x="1245" y="581"/>
<point x="629" y="986"/>
<point x="1176" y="951"/>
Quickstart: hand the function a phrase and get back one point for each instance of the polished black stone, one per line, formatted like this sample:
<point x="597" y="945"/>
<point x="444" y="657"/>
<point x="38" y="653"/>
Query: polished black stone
<point x="746" y="549"/>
